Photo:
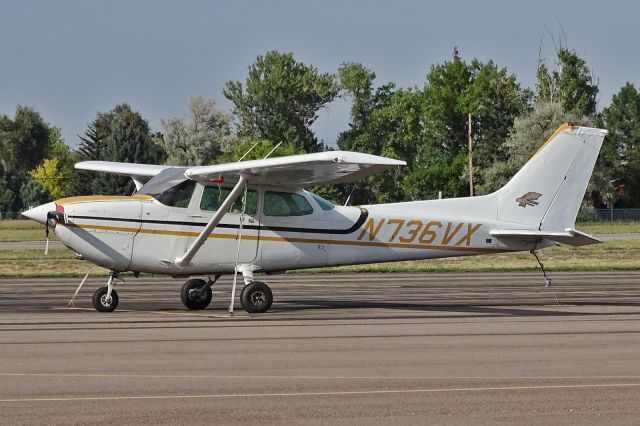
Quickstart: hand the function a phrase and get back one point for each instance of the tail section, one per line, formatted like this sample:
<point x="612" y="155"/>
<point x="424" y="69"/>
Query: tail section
<point x="548" y="190"/>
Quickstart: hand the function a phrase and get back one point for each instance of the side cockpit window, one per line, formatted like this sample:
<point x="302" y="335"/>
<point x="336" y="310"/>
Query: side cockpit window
<point x="286" y="204"/>
<point x="213" y="197"/>
<point x="177" y="196"/>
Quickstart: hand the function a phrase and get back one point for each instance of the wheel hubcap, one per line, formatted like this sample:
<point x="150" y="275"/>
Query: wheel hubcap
<point x="258" y="298"/>
<point x="106" y="301"/>
<point x="196" y="295"/>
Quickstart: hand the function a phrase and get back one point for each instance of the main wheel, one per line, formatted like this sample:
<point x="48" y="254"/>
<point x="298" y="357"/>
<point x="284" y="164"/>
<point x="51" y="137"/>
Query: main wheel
<point x="256" y="297"/>
<point x="102" y="303"/>
<point x="192" y="297"/>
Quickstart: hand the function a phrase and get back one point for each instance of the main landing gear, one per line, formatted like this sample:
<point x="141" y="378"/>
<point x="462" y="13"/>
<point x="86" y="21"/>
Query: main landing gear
<point x="256" y="297"/>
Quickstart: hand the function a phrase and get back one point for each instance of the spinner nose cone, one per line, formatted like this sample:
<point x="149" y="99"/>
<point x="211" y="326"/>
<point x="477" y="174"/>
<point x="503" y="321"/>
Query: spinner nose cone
<point x="39" y="214"/>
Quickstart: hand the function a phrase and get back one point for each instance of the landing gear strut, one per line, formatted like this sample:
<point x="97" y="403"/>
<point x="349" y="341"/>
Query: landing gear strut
<point x="105" y="299"/>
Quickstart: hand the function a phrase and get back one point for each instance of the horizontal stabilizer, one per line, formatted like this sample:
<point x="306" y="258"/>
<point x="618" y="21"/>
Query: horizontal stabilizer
<point x="568" y="236"/>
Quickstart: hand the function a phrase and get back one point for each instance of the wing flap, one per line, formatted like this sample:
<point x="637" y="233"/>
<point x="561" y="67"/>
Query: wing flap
<point x="570" y="237"/>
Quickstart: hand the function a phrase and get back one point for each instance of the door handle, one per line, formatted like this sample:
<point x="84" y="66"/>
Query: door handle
<point x="196" y="215"/>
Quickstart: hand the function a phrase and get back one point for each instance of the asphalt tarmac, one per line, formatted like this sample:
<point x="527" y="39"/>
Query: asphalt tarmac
<point x="334" y="349"/>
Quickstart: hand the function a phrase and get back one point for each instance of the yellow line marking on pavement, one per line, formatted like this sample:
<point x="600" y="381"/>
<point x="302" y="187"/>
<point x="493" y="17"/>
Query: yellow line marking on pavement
<point x="253" y="376"/>
<point x="188" y="314"/>
<point x="303" y="394"/>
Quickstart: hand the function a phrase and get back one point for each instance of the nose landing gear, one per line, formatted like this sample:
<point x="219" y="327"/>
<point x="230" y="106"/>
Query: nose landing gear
<point x="105" y="299"/>
<point x="197" y="294"/>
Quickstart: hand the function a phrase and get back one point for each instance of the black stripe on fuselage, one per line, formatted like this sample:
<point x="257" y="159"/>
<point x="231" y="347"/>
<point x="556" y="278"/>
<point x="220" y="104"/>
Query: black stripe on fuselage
<point x="364" y="213"/>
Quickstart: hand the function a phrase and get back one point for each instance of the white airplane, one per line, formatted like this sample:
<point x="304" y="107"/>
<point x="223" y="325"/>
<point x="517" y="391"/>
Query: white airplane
<point x="255" y="216"/>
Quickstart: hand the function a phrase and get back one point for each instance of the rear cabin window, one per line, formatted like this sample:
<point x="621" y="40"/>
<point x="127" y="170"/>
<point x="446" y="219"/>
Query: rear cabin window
<point x="177" y="196"/>
<point x="213" y="197"/>
<point x="286" y="204"/>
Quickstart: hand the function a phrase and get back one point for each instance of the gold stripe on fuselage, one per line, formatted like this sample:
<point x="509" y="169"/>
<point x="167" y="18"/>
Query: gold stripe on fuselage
<point x="267" y="238"/>
<point x="94" y="198"/>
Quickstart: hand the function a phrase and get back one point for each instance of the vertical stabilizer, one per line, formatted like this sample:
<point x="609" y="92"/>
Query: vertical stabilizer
<point x="548" y="190"/>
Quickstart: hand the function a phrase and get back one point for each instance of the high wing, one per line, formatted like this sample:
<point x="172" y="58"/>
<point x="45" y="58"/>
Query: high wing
<point x="321" y="168"/>
<point x="140" y="173"/>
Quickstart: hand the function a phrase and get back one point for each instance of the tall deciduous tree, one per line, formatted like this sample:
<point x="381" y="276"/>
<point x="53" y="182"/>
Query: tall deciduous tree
<point x="383" y="122"/>
<point x="622" y="119"/>
<point x="24" y="140"/>
<point x="570" y="82"/>
<point x="280" y="100"/>
<point x="51" y="177"/>
<point x="118" y="135"/>
<point x="201" y="138"/>
<point x="529" y="133"/>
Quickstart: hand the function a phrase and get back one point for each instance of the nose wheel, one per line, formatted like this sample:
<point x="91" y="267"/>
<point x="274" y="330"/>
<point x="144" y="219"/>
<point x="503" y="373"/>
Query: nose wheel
<point x="256" y="297"/>
<point x="196" y="294"/>
<point x="105" y="299"/>
<point x="104" y="302"/>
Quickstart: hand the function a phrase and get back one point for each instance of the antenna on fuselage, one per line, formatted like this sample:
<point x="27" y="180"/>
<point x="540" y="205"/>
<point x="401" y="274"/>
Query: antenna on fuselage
<point x="271" y="152"/>
<point x="353" y="188"/>
<point x="247" y="153"/>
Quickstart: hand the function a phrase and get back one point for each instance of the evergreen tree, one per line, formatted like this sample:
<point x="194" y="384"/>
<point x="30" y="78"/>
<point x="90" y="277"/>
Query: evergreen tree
<point x="118" y="135"/>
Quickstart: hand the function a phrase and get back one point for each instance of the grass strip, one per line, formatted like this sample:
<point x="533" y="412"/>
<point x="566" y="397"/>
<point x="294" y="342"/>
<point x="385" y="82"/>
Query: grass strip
<point x="614" y="255"/>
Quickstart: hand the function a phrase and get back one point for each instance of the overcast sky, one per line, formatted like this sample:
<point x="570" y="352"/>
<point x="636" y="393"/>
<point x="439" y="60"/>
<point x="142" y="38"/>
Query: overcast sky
<point x="71" y="59"/>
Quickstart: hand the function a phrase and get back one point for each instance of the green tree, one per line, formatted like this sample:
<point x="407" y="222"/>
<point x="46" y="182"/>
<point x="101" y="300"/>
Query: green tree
<point x="256" y="149"/>
<point x="118" y="135"/>
<point x="571" y="83"/>
<point x="32" y="193"/>
<point x="454" y="89"/>
<point x="51" y="177"/>
<point x="201" y="138"/>
<point x="24" y="140"/>
<point x="622" y="149"/>
<point x="494" y="98"/>
<point x="7" y="195"/>
<point x="529" y="133"/>
<point x="383" y="121"/>
<point x="428" y="128"/>
<point x="280" y="100"/>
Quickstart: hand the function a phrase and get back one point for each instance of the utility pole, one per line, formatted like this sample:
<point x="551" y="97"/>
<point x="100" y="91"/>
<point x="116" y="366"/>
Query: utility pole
<point x="470" y="159"/>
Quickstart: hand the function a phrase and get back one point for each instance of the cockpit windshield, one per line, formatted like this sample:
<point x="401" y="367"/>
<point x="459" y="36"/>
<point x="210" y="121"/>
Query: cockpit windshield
<point x="170" y="187"/>
<point x="177" y="196"/>
<point x="164" y="180"/>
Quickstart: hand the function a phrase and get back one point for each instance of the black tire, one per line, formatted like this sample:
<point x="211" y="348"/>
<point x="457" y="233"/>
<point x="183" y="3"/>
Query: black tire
<point x="101" y="303"/>
<point x="256" y="297"/>
<point x="192" y="298"/>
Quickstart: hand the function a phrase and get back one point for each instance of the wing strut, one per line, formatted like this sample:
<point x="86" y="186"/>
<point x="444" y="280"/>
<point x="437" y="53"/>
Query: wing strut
<point x="185" y="259"/>
<point x="235" y="268"/>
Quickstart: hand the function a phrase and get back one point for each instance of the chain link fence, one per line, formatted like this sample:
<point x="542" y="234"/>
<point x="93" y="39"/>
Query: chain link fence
<point x="609" y="215"/>
<point x="11" y="215"/>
